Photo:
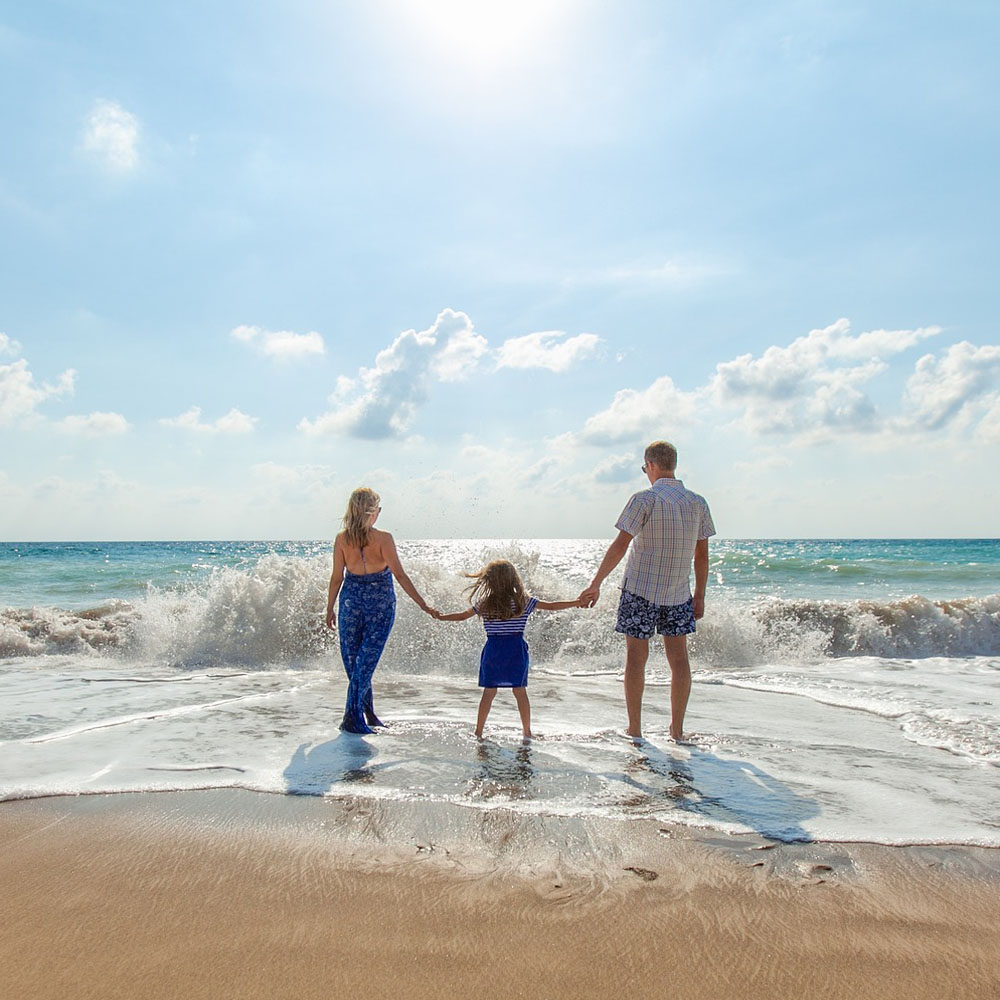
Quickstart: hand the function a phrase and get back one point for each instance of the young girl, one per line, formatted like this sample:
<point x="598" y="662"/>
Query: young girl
<point x="498" y="597"/>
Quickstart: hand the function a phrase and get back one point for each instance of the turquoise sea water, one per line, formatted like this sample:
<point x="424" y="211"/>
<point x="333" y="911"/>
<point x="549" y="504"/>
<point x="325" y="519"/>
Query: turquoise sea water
<point x="74" y="574"/>
<point x="844" y="689"/>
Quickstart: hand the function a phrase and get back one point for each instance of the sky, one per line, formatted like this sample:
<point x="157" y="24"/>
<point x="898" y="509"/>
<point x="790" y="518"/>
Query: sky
<point x="477" y="255"/>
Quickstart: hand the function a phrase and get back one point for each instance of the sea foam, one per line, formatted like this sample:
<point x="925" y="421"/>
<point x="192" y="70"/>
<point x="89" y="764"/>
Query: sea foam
<point x="271" y="613"/>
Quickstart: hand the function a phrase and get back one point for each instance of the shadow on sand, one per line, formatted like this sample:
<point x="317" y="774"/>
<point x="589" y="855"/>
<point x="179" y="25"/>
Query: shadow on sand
<point x="345" y="758"/>
<point x="724" y="792"/>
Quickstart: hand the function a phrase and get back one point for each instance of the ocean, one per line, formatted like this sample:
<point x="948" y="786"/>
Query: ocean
<point x="844" y="690"/>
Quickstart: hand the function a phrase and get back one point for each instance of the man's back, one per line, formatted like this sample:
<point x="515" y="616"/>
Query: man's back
<point x="666" y="522"/>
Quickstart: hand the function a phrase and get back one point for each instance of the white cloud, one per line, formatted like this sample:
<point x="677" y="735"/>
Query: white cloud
<point x="234" y="422"/>
<point x="551" y="349"/>
<point x="291" y="484"/>
<point x="9" y="345"/>
<point x="674" y="272"/>
<point x="617" y="469"/>
<point x="283" y="345"/>
<point x="764" y="461"/>
<point x="838" y="343"/>
<point x="20" y="394"/>
<point x="809" y="386"/>
<point x="538" y="472"/>
<point x="988" y="430"/>
<point x="463" y="347"/>
<point x="647" y="413"/>
<point x="945" y="389"/>
<point x="810" y="389"/>
<point x="511" y="469"/>
<point x="383" y="400"/>
<point x="98" y="424"/>
<point x="111" y="136"/>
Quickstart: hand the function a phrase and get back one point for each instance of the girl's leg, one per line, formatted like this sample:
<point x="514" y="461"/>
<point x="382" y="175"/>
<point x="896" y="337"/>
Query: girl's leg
<point x="524" y="710"/>
<point x="485" y="704"/>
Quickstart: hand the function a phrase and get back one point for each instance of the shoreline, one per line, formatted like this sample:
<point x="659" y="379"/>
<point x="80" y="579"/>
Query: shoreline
<point x="231" y="893"/>
<point x="719" y="839"/>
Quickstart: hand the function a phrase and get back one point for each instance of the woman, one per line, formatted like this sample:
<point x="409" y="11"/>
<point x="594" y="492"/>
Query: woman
<point x="364" y="563"/>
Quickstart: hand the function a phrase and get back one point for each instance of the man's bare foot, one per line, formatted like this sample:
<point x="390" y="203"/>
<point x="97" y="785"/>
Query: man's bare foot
<point x="479" y="734"/>
<point x="676" y="736"/>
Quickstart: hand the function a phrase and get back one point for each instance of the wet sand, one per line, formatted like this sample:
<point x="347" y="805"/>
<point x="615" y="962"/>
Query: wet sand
<point x="239" y="894"/>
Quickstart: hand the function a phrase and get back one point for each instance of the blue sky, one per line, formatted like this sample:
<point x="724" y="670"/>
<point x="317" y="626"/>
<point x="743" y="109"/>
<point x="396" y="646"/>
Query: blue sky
<point x="477" y="255"/>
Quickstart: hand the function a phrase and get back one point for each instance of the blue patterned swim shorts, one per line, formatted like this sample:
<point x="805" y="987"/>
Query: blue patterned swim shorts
<point x="639" y="618"/>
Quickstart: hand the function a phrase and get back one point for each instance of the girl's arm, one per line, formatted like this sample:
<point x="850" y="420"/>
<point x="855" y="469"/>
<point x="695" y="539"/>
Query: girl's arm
<point x="558" y="605"/>
<point x="456" y="616"/>
<point x="336" y="582"/>
<point x="392" y="560"/>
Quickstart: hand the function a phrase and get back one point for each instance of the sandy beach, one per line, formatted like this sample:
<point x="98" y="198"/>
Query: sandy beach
<point x="239" y="894"/>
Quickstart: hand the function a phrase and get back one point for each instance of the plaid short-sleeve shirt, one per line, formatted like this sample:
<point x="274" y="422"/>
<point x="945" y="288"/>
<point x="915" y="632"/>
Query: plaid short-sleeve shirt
<point x="665" y="522"/>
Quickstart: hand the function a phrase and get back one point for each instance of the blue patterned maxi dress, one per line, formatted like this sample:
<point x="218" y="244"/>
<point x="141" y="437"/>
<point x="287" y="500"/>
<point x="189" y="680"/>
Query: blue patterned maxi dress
<point x="367" y="611"/>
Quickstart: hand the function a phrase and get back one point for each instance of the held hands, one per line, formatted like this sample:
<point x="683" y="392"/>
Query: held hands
<point x="588" y="598"/>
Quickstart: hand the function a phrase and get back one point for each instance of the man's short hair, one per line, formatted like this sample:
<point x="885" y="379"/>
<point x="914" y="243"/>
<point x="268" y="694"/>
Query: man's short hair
<point x="662" y="454"/>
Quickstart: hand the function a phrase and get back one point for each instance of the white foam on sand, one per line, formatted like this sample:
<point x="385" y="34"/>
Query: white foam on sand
<point x="763" y="761"/>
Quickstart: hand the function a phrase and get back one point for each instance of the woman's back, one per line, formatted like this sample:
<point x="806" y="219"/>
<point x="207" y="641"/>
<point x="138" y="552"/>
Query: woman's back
<point x="370" y="559"/>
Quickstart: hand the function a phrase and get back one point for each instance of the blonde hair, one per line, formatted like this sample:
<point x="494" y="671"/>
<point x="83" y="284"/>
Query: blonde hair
<point x="363" y="502"/>
<point x="498" y="592"/>
<point x="662" y="454"/>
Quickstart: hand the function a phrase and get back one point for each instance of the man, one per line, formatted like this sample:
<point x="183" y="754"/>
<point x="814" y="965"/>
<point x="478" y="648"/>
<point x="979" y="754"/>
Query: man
<point x="670" y="526"/>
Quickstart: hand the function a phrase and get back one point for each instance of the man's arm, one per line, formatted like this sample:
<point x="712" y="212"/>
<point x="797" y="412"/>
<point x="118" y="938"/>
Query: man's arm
<point x="700" y="576"/>
<point x="616" y="550"/>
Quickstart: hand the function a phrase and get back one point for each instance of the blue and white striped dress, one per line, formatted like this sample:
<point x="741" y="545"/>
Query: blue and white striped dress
<point x="504" y="660"/>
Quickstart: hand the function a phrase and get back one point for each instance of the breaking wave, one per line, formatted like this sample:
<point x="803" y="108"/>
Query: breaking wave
<point x="272" y="613"/>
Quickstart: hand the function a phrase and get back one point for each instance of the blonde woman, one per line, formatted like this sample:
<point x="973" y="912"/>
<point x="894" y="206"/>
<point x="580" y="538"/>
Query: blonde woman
<point x="364" y="563"/>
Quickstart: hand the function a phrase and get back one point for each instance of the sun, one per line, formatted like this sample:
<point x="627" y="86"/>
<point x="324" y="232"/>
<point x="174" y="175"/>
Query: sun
<point x="484" y="35"/>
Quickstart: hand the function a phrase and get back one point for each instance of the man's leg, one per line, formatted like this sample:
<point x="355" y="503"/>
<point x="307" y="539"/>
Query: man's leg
<point x="636" y="654"/>
<point x="680" y="681"/>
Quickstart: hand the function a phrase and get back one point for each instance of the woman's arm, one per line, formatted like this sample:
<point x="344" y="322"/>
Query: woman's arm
<point x="336" y="582"/>
<point x="392" y="561"/>
<point x="456" y="616"/>
<point x="558" y="605"/>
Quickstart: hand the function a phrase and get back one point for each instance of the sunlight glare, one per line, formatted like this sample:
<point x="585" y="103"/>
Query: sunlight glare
<point x="484" y="34"/>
